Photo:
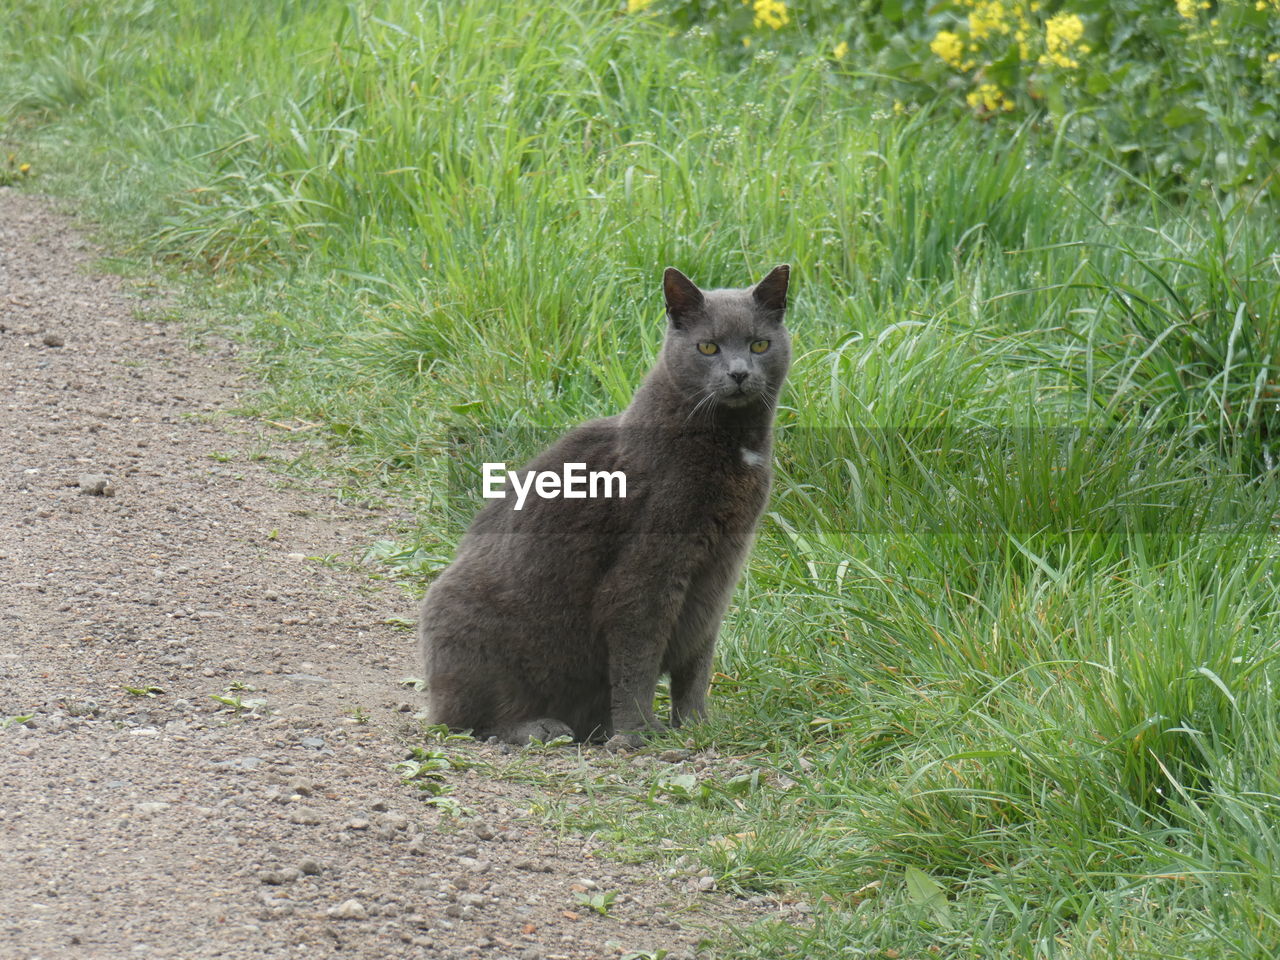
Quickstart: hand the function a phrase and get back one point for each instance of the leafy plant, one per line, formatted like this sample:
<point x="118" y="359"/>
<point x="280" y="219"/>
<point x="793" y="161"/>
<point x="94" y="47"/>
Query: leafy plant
<point x="12" y="171"/>
<point x="440" y="733"/>
<point x="929" y="896"/>
<point x="146" y="691"/>
<point x="359" y="715"/>
<point x="688" y="788"/>
<point x="1177" y="92"/>
<point x="599" y="902"/>
<point x="237" y="705"/>
<point x="427" y="770"/>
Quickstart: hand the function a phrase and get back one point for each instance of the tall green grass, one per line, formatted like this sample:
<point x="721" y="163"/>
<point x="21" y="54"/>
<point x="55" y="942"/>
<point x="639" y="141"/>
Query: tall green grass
<point x="1005" y="653"/>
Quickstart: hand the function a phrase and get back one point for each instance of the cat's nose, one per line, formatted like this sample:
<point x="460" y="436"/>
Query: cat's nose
<point x="739" y="376"/>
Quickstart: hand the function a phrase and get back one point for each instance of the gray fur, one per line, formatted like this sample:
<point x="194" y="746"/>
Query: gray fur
<point x="562" y="616"/>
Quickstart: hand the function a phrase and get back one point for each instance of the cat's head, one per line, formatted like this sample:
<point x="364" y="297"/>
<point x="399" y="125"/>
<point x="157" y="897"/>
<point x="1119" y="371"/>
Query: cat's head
<point x="727" y="347"/>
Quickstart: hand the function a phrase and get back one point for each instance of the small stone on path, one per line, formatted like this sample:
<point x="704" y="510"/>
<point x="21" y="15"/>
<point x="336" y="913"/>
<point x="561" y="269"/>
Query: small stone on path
<point x="96" y="485"/>
<point x="305" y="816"/>
<point x="348" y="910"/>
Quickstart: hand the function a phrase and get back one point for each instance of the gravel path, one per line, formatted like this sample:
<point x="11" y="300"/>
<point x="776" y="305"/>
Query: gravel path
<point x="159" y="822"/>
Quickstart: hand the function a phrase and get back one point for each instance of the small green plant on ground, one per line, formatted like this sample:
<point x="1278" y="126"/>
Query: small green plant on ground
<point x="599" y="902"/>
<point x="427" y="769"/>
<point x="143" y="691"/>
<point x="238" y="705"/>
<point x="13" y="172"/>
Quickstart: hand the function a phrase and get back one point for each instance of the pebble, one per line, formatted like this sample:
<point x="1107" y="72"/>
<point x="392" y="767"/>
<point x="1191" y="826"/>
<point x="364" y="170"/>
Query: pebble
<point x="358" y="823"/>
<point x="96" y="485"/>
<point x="151" y="808"/>
<point x="348" y="910"/>
<point x="532" y="866"/>
<point x="277" y="878"/>
<point x="313" y="743"/>
<point x="237" y="763"/>
<point x="473" y="865"/>
<point x="53" y="340"/>
<point x="309" y="867"/>
<point x="305" y="816"/>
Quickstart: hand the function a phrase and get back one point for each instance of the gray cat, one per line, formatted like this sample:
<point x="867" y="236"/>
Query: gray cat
<point x="559" y="617"/>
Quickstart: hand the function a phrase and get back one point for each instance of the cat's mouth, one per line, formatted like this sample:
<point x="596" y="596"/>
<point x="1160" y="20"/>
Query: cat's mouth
<point x="738" y="395"/>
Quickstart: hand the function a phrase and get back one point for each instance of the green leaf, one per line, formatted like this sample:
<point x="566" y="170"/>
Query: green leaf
<point x="927" y="894"/>
<point x="143" y="691"/>
<point x="1179" y="115"/>
<point x="685" y="782"/>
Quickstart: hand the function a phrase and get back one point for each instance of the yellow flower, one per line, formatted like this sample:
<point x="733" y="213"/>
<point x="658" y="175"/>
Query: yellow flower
<point x="841" y="50"/>
<point x="24" y="168"/>
<point x="948" y="46"/>
<point x="988" y="18"/>
<point x="1062" y="33"/>
<point x="635" y="6"/>
<point x="1187" y="8"/>
<point x="772" y="13"/>
<point x="899" y="108"/>
<point x="1273" y="57"/>
<point x="990" y="98"/>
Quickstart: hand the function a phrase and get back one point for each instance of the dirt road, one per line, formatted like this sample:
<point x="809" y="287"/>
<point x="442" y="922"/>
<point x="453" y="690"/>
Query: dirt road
<point x="139" y="817"/>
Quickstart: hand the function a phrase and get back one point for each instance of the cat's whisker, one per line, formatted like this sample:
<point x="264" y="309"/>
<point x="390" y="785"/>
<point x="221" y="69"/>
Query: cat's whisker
<point x="709" y="395"/>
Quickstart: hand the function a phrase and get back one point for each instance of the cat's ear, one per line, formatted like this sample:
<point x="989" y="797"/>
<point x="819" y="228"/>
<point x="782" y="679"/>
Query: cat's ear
<point x="683" y="295"/>
<point x="771" y="292"/>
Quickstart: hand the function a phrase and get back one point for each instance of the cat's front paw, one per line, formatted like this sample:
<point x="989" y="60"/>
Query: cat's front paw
<point x="544" y="730"/>
<point x="622" y="742"/>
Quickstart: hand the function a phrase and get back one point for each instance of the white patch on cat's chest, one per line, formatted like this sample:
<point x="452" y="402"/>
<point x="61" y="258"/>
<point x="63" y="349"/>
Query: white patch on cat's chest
<point x="751" y="458"/>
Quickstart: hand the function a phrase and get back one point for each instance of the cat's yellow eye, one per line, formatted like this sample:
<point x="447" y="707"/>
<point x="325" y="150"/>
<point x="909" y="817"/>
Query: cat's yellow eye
<point x="759" y="346"/>
<point x="708" y="348"/>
